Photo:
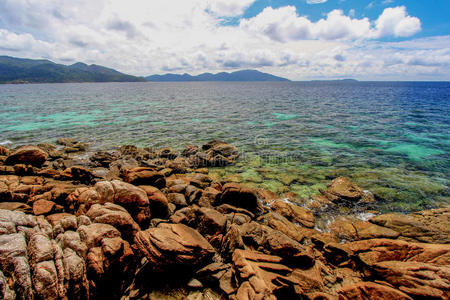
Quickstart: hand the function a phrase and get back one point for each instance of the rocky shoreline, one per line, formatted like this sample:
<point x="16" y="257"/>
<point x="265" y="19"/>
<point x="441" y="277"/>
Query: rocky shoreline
<point x="151" y="224"/>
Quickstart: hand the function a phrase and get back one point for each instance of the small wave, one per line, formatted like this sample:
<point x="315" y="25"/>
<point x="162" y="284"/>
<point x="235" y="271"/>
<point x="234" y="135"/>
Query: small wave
<point x="5" y="142"/>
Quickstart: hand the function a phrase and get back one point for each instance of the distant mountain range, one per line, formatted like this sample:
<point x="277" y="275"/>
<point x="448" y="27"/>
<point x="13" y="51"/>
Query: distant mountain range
<point x="244" y="75"/>
<point x="20" y="70"/>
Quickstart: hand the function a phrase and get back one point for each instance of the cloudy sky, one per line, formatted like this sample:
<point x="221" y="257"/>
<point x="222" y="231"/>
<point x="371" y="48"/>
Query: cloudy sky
<point x="298" y="39"/>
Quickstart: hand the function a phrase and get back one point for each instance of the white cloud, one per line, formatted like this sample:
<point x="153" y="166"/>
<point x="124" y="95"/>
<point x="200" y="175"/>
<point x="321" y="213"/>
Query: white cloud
<point x="315" y="1"/>
<point x="284" y="24"/>
<point x="229" y="8"/>
<point x="396" y="22"/>
<point x="145" y="37"/>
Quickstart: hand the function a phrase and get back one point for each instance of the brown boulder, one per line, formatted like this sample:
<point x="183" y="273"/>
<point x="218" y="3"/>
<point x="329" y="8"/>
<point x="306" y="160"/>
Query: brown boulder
<point x="432" y="226"/>
<point x="43" y="207"/>
<point x="18" y="206"/>
<point x="173" y="245"/>
<point x="189" y="150"/>
<point x="239" y="196"/>
<point x="343" y="189"/>
<point x="280" y="223"/>
<point x="159" y="205"/>
<point x="78" y="173"/>
<point x="294" y="213"/>
<point x="177" y="199"/>
<point x="116" y="216"/>
<point x="419" y="280"/>
<point x="130" y="197"/>
<point x="145" y="176"/>
<point x="349" y="229"/>
<point x="28" y="155"/>
<point x="263" y="277"/>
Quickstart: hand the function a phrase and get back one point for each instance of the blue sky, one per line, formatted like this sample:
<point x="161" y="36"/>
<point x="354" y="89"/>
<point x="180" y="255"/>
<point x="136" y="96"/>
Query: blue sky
<point x="366" y="40"/>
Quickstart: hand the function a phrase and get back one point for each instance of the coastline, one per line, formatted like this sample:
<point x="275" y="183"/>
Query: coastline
<point x="111" y="223"/>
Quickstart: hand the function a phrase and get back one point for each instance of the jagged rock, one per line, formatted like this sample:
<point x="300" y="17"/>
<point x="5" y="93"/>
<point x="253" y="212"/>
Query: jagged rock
<point x="28" y="155"/>
<point x="432" y="226"/>
<point x="263" y="277"/>
<point x="173" y="245"/>
<point x="371" y="291"/>
<point x="294" y="213"/>
<point x="353" y="229"/>
<point x="417" y="279"/>
<point x="145" y="176"/>
<point x="264" y="239"/>
<point x="280" y="223"/>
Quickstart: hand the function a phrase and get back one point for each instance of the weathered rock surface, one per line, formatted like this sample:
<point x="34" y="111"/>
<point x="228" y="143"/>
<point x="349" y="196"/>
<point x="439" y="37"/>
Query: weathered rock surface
<point x="239" y="196"/>
<point x="431" y="226"/>
<point x="28" y="155"/>
<point x="64" y="234"/>
<point x="174" y="245"/>
<point x="342" y="190"/>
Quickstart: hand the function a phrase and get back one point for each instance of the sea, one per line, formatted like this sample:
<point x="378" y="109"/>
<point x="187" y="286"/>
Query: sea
<point x="391" y="138"/>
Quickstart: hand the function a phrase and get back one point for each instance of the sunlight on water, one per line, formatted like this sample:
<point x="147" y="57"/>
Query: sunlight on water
<point x="391" y="138"/>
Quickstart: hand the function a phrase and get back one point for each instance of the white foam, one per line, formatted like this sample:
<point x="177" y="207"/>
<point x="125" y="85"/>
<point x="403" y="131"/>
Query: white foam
<point x="5" y="142"/>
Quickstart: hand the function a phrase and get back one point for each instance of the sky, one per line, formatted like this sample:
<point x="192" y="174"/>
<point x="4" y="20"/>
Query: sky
<point x="296" y="39"/>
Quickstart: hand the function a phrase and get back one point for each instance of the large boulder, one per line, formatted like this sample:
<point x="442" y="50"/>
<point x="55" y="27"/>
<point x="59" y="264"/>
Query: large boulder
<point x="263" y="277"/>
<point x="173" y="246"/>
<point x="116" y="216"/>
<point x="28" y="155"/>
<point x="130" y="197"/>
<point x="431" y="226"/>
<point x="215" y="153"/>
<point x="294" y="213"/>
<point x="240" y="196"/>
<point x="145" y="176"/>
<point x="342" y="189"/>
<point x="159" y="205"/>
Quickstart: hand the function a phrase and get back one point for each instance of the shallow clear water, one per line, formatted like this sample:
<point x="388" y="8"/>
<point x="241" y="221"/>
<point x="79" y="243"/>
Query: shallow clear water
<point x="391" y="138"/>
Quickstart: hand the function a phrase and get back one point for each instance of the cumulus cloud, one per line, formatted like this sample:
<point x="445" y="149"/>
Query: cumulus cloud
<point x="143" y="37"/>
<point x="284" y="24"/>
<point x="230" y="8"/>
<point x="396" y="22"/>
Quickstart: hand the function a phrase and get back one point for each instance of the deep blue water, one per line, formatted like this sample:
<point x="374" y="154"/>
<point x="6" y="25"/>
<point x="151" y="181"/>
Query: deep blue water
<point x="391" y="137"/>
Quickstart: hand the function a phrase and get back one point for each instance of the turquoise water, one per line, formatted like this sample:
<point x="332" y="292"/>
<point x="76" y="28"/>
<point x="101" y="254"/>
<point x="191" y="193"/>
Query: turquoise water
<point x="391" y="138"/>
